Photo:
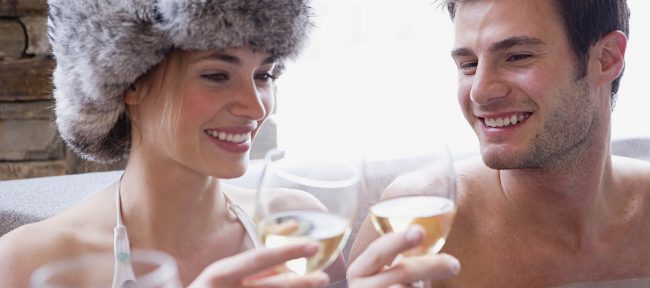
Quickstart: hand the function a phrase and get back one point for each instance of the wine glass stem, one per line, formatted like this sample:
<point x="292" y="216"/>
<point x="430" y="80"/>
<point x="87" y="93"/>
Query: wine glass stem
<point x="418" y="284"/>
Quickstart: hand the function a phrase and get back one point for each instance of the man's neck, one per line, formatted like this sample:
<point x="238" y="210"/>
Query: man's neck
<point x="569" y="201"/>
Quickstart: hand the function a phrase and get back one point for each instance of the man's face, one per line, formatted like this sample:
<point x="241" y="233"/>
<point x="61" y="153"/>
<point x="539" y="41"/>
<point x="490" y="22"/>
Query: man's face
<point x="518" y="84"/>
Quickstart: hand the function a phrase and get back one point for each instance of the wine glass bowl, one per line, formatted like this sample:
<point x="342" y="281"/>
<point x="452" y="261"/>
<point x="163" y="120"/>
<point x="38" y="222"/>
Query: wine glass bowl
<point x="302" y="198"/>
<point x="434" y="214"/>
<point x="424" y="197"/>
<point x="151" y="269"/>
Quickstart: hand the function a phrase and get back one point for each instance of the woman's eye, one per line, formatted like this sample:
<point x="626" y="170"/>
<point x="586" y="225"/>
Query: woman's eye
<point x="266" y="76"/>
<point x="216" y="77"/>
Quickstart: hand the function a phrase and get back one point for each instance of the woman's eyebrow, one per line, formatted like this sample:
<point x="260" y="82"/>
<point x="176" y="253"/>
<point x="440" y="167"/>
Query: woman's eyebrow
<point x="225" y="57"/>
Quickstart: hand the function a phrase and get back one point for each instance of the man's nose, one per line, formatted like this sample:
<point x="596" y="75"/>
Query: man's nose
<point x="488" y="84"/>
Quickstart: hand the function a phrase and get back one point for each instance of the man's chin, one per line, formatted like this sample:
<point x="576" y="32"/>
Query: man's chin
<point x="494" y="163"/>
<point x="500" y="158"/>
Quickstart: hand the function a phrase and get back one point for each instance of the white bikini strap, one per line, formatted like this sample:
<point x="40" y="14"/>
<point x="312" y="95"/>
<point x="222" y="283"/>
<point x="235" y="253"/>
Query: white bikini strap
<point x="123" y="275"/>
<point x="246" y="221"/>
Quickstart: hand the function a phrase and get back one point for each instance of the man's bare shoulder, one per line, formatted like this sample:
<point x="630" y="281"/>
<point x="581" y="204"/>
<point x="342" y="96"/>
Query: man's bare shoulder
<point x="632" y="167"/>
<point x="474" y="176"/>
<point x="633" y="174"/>
<point x="632" y="181"/>
<point x="473" y="167"/>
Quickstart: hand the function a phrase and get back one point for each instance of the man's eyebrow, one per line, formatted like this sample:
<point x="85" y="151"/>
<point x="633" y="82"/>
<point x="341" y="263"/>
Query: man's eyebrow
<point x="458" y="52"/>
<point x="502" y="45"/>
<point x="516" y="41"/>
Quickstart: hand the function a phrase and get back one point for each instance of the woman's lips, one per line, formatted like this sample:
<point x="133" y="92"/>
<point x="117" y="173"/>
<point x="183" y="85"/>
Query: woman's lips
<point x="231" y="142"/>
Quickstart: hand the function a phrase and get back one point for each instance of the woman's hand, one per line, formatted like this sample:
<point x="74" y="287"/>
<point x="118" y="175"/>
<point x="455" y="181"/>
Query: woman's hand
<point x="255" y="269"/>
<point x="372" y="269"/>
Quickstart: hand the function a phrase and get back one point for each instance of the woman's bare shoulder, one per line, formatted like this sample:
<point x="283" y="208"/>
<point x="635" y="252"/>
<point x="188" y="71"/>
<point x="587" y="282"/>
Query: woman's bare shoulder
<point x="27" y="247"/>
<point x="75" y="231"/>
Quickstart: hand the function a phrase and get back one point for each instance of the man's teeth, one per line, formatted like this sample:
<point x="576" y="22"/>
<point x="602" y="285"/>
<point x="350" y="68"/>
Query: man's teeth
<point x="223" y="136"/>
<point x="505" y="121"/>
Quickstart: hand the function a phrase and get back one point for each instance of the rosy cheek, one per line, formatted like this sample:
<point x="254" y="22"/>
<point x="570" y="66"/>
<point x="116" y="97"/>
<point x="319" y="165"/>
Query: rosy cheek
<point x="268" y="100"/>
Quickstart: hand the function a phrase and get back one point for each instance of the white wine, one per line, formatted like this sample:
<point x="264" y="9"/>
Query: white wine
<point x="434" y="214"/>
<point x="328" y="230"/>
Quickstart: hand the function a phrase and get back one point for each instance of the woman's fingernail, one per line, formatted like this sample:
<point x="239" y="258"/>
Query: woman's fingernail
<point x="414" y="233"/>
<point x="323" y="281"/>
<point x="311" y="248"/>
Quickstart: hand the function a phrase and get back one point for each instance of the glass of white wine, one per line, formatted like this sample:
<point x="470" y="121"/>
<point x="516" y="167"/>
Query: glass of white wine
<point x="424" y="197"/>
<point x="151" y="269"/>
<point x="303" y="198"/>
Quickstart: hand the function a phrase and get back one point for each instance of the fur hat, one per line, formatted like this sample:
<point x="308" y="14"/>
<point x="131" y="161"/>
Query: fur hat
<point x="102" y="46"/>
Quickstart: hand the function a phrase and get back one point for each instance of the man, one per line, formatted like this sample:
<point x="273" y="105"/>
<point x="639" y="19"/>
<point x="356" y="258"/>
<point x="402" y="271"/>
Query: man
<point x="547" y="205"/>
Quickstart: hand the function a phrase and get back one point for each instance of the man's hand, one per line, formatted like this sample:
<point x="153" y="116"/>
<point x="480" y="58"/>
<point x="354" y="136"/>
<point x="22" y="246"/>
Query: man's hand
<point x="372" y="269"/>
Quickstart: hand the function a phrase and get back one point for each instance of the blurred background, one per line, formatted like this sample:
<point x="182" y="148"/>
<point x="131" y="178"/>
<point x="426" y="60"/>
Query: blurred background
<point x="376" y="80"/>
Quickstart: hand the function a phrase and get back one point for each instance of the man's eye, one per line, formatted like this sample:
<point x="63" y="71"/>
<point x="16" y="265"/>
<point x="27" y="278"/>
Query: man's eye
<point x="468" y="68"/>
<point x="519" y="57"/>
<point x="468" y="65"/>
<point x="216" y="77"/>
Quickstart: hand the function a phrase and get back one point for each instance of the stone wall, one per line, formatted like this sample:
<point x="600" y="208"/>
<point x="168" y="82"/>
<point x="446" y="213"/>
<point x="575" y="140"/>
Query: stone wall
<point x="29" y="143"/>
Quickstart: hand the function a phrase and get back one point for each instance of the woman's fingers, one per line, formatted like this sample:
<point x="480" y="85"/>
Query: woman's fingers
<point x="383" y="251"/>
<point x="230" y="272"/>
<point x="313" y="280"/>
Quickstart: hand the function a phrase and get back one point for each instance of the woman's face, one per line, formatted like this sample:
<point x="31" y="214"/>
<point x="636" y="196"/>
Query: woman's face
<point x="217" y="103"/>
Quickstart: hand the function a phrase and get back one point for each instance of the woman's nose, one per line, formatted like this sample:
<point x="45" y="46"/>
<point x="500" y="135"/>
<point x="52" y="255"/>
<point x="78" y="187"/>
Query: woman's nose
<point x="249" y="102"/>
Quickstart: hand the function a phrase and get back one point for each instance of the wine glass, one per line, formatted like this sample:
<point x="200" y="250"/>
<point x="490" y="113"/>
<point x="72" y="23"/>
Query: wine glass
<point x="152" y="269"/>
<point x="424" y="197"/>
<point x="303" y="198"/>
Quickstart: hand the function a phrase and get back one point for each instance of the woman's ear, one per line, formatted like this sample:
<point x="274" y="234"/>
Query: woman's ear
<point x="132" y="95"/>
<point x="609" y="56"/>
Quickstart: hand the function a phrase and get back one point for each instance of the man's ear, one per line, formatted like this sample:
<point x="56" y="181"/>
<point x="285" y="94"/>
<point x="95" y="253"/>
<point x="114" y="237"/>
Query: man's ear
<point x="608" y="56"/>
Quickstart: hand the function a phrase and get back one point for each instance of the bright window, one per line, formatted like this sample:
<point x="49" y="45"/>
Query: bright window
<point x="376" y="79"/>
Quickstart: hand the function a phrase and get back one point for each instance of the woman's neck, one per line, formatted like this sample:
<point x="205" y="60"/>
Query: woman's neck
<point x="169" y="207"/>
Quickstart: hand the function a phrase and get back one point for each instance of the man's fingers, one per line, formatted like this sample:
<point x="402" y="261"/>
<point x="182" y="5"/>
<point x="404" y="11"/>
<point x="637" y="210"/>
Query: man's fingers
<point x="383" y="250"/>
<point x="232" y="270"/>
<point x="412" y="269"/>
<point x="314" y="280"/>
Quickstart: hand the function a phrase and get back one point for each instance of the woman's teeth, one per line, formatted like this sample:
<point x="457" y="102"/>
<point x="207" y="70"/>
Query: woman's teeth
<point x="223" y="136"/>
<point x="505" y="121"/>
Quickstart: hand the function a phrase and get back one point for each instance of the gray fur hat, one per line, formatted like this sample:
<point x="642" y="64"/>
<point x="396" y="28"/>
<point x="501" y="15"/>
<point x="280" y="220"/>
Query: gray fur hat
<point x="102" y="46"/>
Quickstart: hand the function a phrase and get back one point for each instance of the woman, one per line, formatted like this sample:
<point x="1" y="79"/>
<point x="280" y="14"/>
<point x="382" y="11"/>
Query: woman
<point x="180" y="88"/>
